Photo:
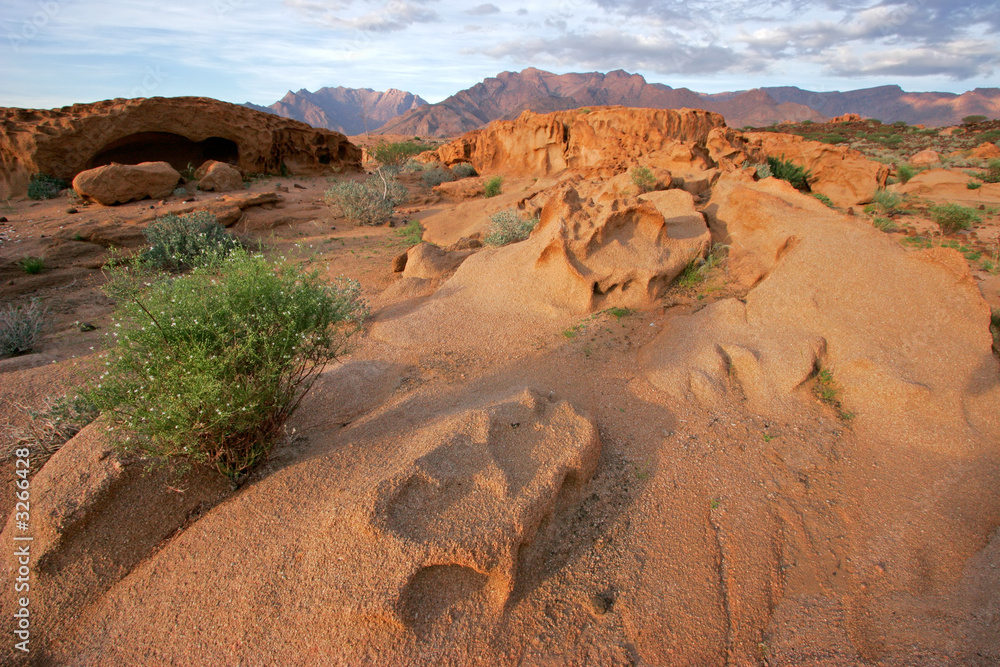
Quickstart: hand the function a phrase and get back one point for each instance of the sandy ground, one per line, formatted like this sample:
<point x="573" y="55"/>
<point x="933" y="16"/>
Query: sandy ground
<point x="704" y="537"/>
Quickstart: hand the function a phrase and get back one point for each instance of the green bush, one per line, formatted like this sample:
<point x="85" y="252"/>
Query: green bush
<point x="833" y="138"/>
<point x="493" y="187"/>
<point x="992" y="173"/>
<point x="32" y="265"/>
<point x="179" y="242"/>
<point x="905" y="172"/>
<point x="973" y="185"/>
<point x="643" y="179"/>
<point x="508" y="226"/>
<point x="21" y="328"/>
<point x="207" y="366"/>
<point x="884" y="202"/>
<point x="42" y="186"/>
<point x="823" y="198"/>
<point x="697" y="270"/>
<point x="788" y="171"/>
<point x="396" y="155"/>
<point x="954" y="217"/>
<point x="437" y="177"/>
<point x="463" y="170"/>
<point x="762" y="170"/>
<point x="972" y="120"/>
<point x="883" y="224"/>
<point x="368" y="203"/>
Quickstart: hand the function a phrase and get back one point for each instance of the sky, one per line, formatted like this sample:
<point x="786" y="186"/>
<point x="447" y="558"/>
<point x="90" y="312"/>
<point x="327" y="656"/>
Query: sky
<point x="59" y="52"/>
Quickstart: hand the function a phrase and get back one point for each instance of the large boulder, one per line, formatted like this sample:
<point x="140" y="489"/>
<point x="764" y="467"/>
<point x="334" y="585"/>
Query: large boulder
<point x="180" y="130"/>
<point x="925" y="158"/>
<point x="121" y="183"/>
<point x="985" y="151"/>
<point x="949" y="185"/>
<point x="603" y="141"/>
<point x="219" y="177"/>
<point x="844" y="175"/>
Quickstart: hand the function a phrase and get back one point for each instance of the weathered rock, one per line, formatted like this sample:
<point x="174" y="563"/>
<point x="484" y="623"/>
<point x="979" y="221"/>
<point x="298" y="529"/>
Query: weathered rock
<point x="847" y="118"/>
<point x="96" y="515"/>
<point x="605" y="141"/>
<point x="426" y="260"/>
<point x="925" y="158"/>
<point x="906" y="334"/>
<point x="120" y="183"/>
<point x="843" y="175"/>
<point x="220" y="177"/>
<point x="985" y="151"/>
<point x="949" y="185"/>
<point x="461" y="190"/>
<point x="180" y="130"/>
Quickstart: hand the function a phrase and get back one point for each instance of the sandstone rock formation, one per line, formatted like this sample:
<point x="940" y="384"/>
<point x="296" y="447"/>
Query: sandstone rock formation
<point x="219" y="177"/>
<point x="986" y="151"/>
<point x="925" y="158"/>
<point x="181" y="130"/>
<point x="778" y="240"/>
<point x="949" y="185"/>
<point x="847" y="118"/>
<point x="843" y="175"/>
<point x="605" y="141"/>
<point x="120" y="183"/>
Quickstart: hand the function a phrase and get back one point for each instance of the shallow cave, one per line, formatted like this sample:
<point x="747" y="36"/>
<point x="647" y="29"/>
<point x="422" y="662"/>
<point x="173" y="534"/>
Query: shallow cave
<point x="178" y="150"/>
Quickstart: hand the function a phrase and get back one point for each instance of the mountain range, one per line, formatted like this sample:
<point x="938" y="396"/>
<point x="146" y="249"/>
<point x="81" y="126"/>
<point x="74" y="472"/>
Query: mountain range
<point x="347" y="110"/>
<point x="505" y="96"/>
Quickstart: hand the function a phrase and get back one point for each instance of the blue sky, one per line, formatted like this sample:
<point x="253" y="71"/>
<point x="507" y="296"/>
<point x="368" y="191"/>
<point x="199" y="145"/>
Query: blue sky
<point x="57" y="52"/>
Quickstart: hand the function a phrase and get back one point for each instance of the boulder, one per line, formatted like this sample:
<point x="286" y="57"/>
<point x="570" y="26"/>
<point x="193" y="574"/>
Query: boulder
<point x="847" y="118"/>
<point x="220" y="177"/>
<point x="428" y="261"/>
<point x="985" y="151"/>
<point x="179" y="130"/>
<point x="462" y="189"/>
<point x="925" y="158"/>
<point x="844" y="175"/>
<point x="121" y="183"/>
<point x="950" y="185"/>
<point x="605" y="141"/>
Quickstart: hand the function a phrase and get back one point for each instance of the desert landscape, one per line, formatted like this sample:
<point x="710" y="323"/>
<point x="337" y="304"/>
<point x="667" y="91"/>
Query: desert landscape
<point x="587" y="385"/>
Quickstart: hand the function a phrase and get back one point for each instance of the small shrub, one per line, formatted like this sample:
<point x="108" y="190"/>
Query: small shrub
<point x="762" y="170"/>
<point x="823" y="198"/>
<point x="972" y="120"/>
<point x="51" y="427"/>
<point x="883" y="224"/>
<point x="208" y="366"/>
<point x="619" y="313"/>
<point x="42" y="186"/>
<point x="974" y="185"/>
<point x="992" y="173"/>
<point x="954" y="217"/>
<point x="411" y="234"/>
<point x="833" y="138"/>
<point x="826" y="388"/>
<point x="396" y="155"/>
<point x="890" y="141"/>
<point x="508" y="227"/>
<point x="463" y="170"/>
<point x="21" y="328"/>
<point x="643" y="179"/>
<point x="899" y="124"/>
<point x="788" y="171"/>
<point x="179" y="242"/>
<point x="884" y="202"/>
<point x="32" y="265"/>
<point x="368" y="203"/>
<point x="493" y="187"/>
<point x="437" y="177"/>
<point x="905" y="172"/>
<point x="697" y="271"/>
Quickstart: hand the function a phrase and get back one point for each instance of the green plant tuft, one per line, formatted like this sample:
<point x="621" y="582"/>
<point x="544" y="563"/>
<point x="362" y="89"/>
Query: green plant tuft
<point x="493" y="187"/>
<point x="437" y="176"/>
<point x="823" y="198"/>
<point x="179" y="242"/>
<point x="643" y="179"/>
<point x="954" y="217"/>
<point x="884" y="202"/>
<point x="905" y="172"/>
<point x="974" y="185"/>
<point x="762" y="170"/>
<point x="21" y="328"/>
<point x="992" y="173"/>
<point x="463" y="170"/>
<point x="507" y="226"/>
<point x="789" y="171"/>
<point x="697" y="271"/>
<point x="207" y="366"/>
<point x="43" y="186"/>
<point x="411" y="234"/>
<point x="32" y="265"/>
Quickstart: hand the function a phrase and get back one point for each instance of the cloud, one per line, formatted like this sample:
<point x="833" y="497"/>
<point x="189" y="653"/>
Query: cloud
<point x="392" y="16"/>
<point x="483" y="10"/>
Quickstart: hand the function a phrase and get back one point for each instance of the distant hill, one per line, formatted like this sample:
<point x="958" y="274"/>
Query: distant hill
<point x="509" y="93"/>
<point x="891" y="103"/>
<point x="347" y="110"/>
